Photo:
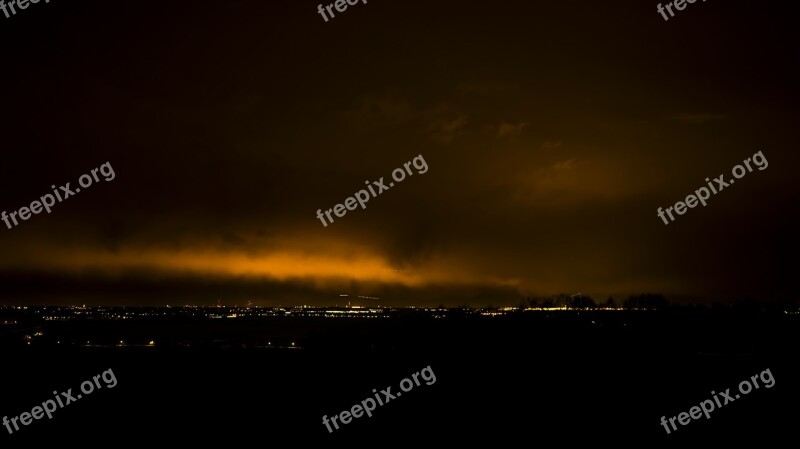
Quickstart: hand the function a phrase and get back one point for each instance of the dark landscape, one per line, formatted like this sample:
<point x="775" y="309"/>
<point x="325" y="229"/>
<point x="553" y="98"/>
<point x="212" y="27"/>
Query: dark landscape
<point x="573" y="376"/>
<point x="546" y="223"/>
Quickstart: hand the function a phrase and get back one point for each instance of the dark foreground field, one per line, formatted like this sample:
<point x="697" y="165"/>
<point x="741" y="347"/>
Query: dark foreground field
<point x="540" y="378"/>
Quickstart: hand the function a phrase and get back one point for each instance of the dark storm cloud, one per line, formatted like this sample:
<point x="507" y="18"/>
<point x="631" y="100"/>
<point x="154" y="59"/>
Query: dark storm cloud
<point x="552" y="132"/>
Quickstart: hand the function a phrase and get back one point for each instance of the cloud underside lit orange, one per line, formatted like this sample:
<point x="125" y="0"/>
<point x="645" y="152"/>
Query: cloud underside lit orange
<point x="280" y="266"/>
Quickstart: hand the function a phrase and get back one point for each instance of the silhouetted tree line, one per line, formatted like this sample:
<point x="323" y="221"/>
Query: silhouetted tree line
<point x="648" y="301"/>
<point x="655" y="301"/>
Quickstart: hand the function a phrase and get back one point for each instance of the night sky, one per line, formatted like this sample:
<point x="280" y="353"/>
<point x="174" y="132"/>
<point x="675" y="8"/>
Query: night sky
<point x="553" y="131"/>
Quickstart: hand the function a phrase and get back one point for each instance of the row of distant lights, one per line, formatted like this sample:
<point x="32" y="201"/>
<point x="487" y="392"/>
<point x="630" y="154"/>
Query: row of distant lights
<point x="121" y="342"/>
<point x="150" y="343"/>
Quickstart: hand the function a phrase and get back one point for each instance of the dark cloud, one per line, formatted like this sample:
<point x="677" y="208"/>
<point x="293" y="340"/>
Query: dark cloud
<point x="550" y="132"/>
<point x="698" y="119"/>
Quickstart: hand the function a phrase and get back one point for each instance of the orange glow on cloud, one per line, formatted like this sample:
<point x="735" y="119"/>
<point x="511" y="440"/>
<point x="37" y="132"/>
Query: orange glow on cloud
<point x="279" y="265"/>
